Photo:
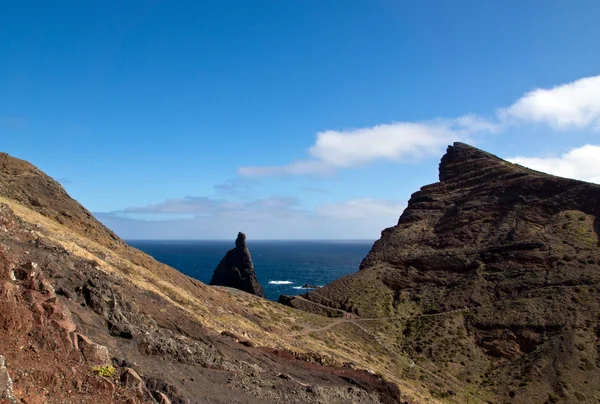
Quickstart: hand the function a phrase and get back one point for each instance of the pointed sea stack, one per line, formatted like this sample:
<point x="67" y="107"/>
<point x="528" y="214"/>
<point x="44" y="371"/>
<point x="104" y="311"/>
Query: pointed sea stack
<point x="236" y="269"/>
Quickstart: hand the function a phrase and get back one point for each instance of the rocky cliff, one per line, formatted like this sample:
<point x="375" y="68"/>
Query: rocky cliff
<point x="491" y="278"/>
<point x="236" y="269"/>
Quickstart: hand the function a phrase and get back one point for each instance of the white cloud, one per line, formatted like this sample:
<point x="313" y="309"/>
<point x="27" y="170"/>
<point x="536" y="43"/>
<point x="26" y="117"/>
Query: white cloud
<point x="269" y="218"/>
<point x="582" y="163"/>
<point x="572" y="105"/>
<point x="361" y="209"/>
<point x="575" y="105"/>
<point x="184" y="206"/>
<point x="344" y="149"/>
<point x="308" y="167"/>
<point x="192" y="205"/>
<point x="393" y="142"/>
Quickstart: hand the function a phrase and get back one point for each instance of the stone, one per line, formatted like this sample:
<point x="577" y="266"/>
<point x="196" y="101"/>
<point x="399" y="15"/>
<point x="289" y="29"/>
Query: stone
<point x="161" y="398"/>
<point x="131" y="380"/>
<point x="6" y="384"/>
<point x="101" y="384"/>
<point x="29" y="270"/>
<point x="121" y="330"/>
<point x="47" y="288"/>
<point x="236" y="269"/>
<point x="91" y="351"/>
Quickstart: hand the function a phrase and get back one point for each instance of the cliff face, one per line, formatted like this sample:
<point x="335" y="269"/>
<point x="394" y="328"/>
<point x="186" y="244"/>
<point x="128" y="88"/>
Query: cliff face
<point x="492" y="277"/>
<point x="236" y="269"/>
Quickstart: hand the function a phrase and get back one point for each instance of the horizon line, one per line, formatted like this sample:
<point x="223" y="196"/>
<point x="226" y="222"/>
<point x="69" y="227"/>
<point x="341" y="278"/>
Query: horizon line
<point x="256" y="239"/>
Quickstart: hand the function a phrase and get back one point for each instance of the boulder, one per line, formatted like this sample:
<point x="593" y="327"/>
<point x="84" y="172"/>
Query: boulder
<point x="161" y="398"/>
<point x="92" y="352"/>
<point x="132" y="380"/>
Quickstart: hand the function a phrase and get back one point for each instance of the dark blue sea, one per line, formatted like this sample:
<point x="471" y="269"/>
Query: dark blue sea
<point x="282" y="267"/>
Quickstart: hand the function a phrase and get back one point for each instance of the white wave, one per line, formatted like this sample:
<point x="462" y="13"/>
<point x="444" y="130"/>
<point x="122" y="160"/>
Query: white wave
<point x="297" y="287"/>
<point x="280" y="282"/>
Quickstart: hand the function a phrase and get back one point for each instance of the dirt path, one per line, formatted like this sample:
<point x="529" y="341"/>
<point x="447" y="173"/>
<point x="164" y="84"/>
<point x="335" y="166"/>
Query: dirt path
<point x="353" y="320"/>
<point x="342" y="312"/>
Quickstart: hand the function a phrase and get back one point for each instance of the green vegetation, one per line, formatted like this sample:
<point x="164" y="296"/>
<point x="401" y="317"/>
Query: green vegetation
<point x="105" y="371"/>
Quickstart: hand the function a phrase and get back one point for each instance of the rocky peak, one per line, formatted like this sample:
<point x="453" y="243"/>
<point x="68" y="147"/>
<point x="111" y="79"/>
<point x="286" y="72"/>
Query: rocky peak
<point x="461" y="158"/>
<point x="503" y="258"/>
<point x="236" y="269"/>
<point x="240" y="241"/>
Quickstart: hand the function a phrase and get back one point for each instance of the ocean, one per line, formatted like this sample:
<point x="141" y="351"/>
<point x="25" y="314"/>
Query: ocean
<point x="282" y="267"/>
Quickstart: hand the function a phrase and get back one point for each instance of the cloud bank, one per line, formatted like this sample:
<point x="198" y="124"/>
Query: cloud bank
<point x="268" y="218"/>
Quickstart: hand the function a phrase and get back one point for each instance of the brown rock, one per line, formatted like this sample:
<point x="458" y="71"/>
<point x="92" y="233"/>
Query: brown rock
<point x="91" y="351"/>
<point x="32" y="295"/>
<point x="132" y="380"/>
<point x="67" y="325"/>
<point x="161" y="398"/>
<point x="78" y="385"/>
<point x="47" y="288"/>
<point x="101" y="385"/>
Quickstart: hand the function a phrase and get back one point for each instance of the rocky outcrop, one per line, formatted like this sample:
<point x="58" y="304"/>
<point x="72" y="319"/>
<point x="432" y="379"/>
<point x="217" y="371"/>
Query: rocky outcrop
<point x="490" y="277"/>
<point x="236" y="269"/>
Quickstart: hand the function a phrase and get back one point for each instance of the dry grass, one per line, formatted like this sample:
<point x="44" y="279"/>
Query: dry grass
<point x="264" y="322"/>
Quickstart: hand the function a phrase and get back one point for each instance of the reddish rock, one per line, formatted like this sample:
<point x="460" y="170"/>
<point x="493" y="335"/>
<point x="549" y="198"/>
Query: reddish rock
<point x="47" y="288"/>
<point x="32" y="296"/>
<point x="101" y="385"/>
<point x="92" y="352"/>
<point x="161" y="398"/>
<point x="132" y="380"/>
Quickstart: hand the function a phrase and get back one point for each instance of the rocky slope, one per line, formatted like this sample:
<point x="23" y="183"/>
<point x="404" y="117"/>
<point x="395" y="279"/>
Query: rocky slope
<point x="236" y="269"/>
<point x="491" y="278"/>
<point x="85" y="318"/>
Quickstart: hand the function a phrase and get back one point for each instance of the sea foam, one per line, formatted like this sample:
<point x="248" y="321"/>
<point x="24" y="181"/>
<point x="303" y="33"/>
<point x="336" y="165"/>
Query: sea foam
<point x="280" y="282"/>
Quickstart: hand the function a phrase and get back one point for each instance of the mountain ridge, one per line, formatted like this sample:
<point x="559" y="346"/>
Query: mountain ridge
<point x="499" y="256"/>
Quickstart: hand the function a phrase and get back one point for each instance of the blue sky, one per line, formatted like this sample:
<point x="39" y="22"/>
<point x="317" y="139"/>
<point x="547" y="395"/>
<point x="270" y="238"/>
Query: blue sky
<point x="289" y="119"/>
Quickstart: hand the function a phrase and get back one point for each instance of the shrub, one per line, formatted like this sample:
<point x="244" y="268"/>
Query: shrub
<point x="105" y="371"/>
